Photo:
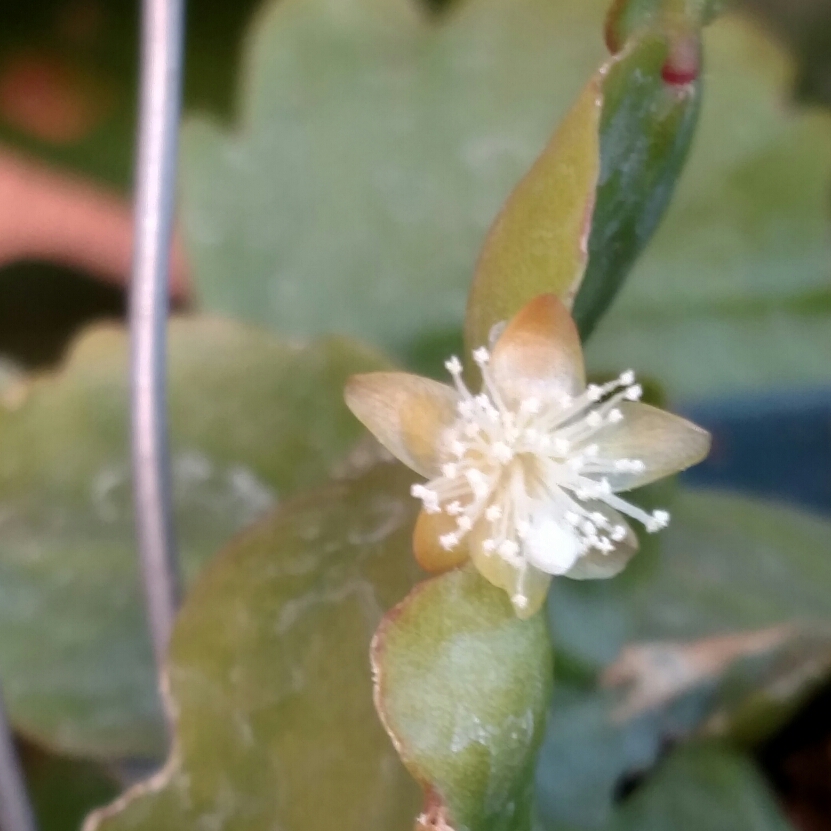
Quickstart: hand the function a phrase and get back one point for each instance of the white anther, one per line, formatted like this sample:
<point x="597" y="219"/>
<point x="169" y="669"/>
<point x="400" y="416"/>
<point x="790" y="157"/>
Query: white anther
<point x="458" y="448"/>
<point x="481" y="356"/>
<point x="483" y="401"/>
<point x="449" y="541"/>
<point x="562" y="446"/>
<point x="594" y="393"/>
<point x="619" y="533"/>
<point x="658" y="520"/>
<point x="449" y="470"/>
<point x="464" y="523"/>
<point x="615" y="416"/>
<point x="520" y="601"/>
<point x="530" y="406"/>
<point x="471" y="429"/>
<point x="453" y="366"/>
<point x="508" y="549"/>
<point x="465" y="408"/>
<point x="627" y="378"/>
<point x="493" y="513"/>
<point x="454" y="508"/>
<point x="634" y="392"/>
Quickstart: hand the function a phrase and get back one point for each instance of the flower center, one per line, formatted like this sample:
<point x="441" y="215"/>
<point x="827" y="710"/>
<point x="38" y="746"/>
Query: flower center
<point x="530" y="478"/>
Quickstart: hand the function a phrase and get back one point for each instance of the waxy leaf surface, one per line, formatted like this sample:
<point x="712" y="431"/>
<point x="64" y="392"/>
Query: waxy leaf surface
<point x="732" y="294"/>
<point x="462" y="686"/>
<point x="269" y="677"/>
<point x="374" y="149"/>
<point x="252" y="419"/>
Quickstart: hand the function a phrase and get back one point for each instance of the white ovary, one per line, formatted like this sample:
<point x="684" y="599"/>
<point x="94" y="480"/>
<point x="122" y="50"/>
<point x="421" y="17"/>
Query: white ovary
<point x="535" y="474"/>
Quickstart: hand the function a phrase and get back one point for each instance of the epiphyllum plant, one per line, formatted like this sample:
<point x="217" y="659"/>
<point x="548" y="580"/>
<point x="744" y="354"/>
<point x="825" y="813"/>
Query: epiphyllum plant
<point x="524" y="476"/>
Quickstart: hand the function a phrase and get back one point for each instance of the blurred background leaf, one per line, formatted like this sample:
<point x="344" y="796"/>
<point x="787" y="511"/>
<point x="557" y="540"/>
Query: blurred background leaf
<point x="64" y="790"/>
<point x="700" y="788"/>
<point x="373" y="152"/>
<point x="253" y="419"/>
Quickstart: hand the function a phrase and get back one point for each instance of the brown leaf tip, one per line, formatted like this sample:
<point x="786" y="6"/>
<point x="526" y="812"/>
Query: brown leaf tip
<point x="684" y="62"/>
<point x="434" y="816"/>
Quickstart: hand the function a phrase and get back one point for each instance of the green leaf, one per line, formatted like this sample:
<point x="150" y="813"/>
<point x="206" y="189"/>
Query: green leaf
<point x="628" y="17"/>
<point x="645" y="133"/>
<point x="703" y="788"/>
<point x="269" y="677"/>
<point x="252" y="420"/>
<point x="732" y="293"/>
<point x="64" y="790"/>
<point x="539" y="241"/>
<point x="731" y="600"/>
<point x="374" y="150"/>
<point x="589" y="753"/>
<point x="462" y="687"/>
<point x="720" y="626"/>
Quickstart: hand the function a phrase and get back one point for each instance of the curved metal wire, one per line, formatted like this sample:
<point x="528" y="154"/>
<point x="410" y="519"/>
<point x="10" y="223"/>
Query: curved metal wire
<point x="161" y="72"/>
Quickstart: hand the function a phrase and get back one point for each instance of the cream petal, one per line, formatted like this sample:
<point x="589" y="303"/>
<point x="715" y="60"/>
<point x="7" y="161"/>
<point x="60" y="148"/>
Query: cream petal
<point x="664" y="442"/>
<point x="539" y="354"/>
<point x="430" y="554"/>
<point x="597" y="565"/>
<point x="406" y="413"/>
<point x="528" y="582"/>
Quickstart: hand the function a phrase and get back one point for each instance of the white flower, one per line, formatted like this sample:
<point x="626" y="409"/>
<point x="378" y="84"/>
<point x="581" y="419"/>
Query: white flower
<point x="524" y="476"/>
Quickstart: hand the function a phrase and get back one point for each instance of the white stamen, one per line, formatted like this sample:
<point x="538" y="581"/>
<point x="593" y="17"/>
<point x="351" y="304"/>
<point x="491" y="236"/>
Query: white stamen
<point x="493" y="513"/>
<point x="453" y="366"/>
<point x="481" y="356"/>
<point x="501" y="452"/>
<point x="449" y="541"/>
<point x="508" y="549"/>
<point x="530" y="406"/>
